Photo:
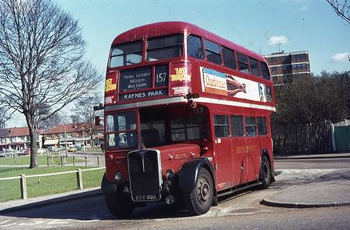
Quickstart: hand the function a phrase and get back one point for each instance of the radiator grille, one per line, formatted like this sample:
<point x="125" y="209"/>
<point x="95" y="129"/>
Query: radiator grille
<point x="145" y="175"/>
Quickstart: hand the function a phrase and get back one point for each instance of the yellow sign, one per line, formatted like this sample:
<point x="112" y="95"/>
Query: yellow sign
<point x="180" y="75"/>
<point x="110" y="86"/>
<point x="246" y="149"/>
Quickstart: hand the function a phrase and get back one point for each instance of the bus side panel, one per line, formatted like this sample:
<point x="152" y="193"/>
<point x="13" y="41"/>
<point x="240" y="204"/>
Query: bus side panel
<point x="222" y="147"/>
<point x="238" y="157"/>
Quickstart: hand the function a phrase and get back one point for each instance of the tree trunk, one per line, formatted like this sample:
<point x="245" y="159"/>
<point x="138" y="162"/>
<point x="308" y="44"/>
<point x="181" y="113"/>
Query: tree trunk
<point x="33" y="145"/>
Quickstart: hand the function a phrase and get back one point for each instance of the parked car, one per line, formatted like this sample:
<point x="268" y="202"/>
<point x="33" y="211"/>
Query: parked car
<point x="54" y="149"/>
<point x="72" y="149"/>
<point x="7" y="153"/>
<point x="41" y="151"/>
<point x="27" y="152"/>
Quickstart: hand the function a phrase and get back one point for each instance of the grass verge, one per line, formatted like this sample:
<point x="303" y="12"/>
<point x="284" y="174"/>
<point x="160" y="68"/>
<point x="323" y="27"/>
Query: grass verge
<point x="42" y="160"/>
<point x="40" y="186"/>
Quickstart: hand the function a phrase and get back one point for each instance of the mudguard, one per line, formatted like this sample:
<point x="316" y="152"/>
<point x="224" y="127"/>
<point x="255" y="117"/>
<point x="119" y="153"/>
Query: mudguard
<point x="108" y="187"/>
<point x="187" y="176"/>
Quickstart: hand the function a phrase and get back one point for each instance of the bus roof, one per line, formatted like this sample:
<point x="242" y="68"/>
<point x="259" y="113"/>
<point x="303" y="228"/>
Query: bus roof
<point x="167" y="28"/>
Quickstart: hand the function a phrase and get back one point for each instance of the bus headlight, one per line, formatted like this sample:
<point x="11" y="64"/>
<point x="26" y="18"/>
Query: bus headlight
<point x="118" y="176"/>
<point x="169" y="174"/>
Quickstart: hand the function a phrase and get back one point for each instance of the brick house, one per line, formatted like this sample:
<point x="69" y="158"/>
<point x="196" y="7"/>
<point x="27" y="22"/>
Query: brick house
<point x="18" y="138"/>
<point x="78" y="134"/>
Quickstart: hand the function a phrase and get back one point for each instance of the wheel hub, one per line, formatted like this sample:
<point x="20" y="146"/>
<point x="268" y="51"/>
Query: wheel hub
<point x="203" y="190"/>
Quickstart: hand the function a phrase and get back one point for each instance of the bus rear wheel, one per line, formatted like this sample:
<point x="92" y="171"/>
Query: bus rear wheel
<point x="119" y="204"/>
<point x="265" y="172"/>
<point x="200" y="199"/>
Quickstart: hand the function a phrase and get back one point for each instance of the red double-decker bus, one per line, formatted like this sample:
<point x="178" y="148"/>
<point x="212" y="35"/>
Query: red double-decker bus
<point x="187" y="118"/>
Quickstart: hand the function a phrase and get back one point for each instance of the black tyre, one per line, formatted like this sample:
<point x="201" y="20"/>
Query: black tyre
<point x="265" y="172"/>
<point x="200" y="199"/>
<point x="119" y="204"/>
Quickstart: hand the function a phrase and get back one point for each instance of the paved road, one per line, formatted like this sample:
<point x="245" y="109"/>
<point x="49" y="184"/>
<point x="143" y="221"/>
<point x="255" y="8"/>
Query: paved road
<point x="332" y="163"/>
<point x="241" y="211"/>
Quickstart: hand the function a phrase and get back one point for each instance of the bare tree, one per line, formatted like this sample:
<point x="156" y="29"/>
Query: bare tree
<point x="341" y="8"/>
<point x="41" y="66"/>
<point x="2" y="118"/>
<point x="85" y="112"/>
<point x="51" y="122"/>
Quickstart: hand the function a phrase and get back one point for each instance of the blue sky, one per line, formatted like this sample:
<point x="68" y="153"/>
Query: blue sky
<point x="256" y="24"/>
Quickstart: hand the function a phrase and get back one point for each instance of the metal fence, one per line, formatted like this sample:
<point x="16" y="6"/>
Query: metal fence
<point x="302" y="139"/>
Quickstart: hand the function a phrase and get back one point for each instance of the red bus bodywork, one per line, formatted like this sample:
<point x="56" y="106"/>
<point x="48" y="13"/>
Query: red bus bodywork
<point x="212" y="96"/>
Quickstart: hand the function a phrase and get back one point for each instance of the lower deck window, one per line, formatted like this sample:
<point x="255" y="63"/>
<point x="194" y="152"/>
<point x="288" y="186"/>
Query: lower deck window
<point x="262" y="127"/>
<point x="221" y="126"/>
<point x="189" y="128"/>
<point x="250" y="126"/>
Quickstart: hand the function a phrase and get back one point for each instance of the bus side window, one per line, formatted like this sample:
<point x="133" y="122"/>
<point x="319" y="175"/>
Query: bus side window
<point x="212" y="50"/>
<point x="262" y="127"/>
<point x="195" y="47"/>
<point x="221" y="126"/>
<point x="243" y="65"/>
<point x="237" y="128"/>
<point x="254" y="66"/>
<point x="265" y="70"/>
<point x="250" y="126"/>
<point x="229" y="58"/>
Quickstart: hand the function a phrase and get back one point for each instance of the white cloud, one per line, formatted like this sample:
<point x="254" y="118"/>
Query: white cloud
<point x="341" y="57"/>
<point x="303" y="8"/>
<point x="276" y="40"/>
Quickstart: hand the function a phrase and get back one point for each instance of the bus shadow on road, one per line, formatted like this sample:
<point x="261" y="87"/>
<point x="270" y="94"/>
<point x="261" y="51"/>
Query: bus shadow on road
<point x="94" y="208"/>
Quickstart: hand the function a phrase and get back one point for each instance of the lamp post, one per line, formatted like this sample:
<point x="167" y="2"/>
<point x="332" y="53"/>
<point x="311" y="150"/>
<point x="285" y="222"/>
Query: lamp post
<point x="65" y="139"/>
<point x="83" y="128"/>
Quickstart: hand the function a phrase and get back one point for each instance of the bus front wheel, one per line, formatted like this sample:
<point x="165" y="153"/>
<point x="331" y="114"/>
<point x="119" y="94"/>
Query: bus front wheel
<point x="200" y="199"/>
<point x="265" y="172"/>
<point x="119" y="204"/>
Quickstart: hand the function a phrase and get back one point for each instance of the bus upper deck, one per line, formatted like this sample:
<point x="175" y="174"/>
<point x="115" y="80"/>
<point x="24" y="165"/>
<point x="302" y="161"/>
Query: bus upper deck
<point x="174" y="60"/>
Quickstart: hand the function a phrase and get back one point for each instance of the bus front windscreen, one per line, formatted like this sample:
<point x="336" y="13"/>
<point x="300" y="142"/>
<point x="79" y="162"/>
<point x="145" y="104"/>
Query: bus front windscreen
<point x="121" y="130"/>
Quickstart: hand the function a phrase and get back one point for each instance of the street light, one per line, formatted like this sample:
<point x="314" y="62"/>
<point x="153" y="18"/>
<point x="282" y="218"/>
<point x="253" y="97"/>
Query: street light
<point x="83" y="128"/>
<point x="65" y="139"/>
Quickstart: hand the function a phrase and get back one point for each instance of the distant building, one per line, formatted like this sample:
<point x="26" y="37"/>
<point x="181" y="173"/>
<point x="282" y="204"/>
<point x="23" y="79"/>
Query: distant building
<point x="17" y="138"/>
<point x="285" y="67"/>
<point x="78" y="134"/>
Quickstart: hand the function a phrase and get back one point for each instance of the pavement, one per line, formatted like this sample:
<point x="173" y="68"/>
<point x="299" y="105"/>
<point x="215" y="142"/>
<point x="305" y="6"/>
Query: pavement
<point x="294" y="188"/>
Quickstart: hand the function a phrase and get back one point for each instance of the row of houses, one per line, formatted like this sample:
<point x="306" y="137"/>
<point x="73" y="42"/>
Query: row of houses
<point x="62" y="135"/>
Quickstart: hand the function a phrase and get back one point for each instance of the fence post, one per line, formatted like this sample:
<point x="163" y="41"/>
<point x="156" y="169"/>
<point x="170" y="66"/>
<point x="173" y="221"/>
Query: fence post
<point x="24" y="194"/>
<point x="48" y="161"/>
<point x="79" y="179"/>
<point x="98" y="161"/>
<point x="85" y="161"/>
<point x="61" y="160"/>
<point x="73" y="161"/>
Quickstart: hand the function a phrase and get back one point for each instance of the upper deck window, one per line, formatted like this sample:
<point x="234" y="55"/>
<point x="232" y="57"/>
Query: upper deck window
<point x="229" y="58"/>
<point x="126" y="54"/>
<point x="265" y="70"/>
<point x="164" y="47"/>
<point x="212" y="50"/>
<point x="254" y="66"/>
<point x="195" y="47"/>
<point x="243" y="65"/>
